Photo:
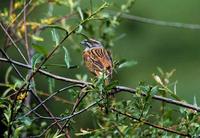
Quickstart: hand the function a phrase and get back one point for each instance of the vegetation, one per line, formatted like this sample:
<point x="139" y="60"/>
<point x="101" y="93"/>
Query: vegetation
<point x="79" y="105"/>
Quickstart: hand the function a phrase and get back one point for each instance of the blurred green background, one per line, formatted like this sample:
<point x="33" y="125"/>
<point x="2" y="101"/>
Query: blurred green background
<point x="150" y="45"/>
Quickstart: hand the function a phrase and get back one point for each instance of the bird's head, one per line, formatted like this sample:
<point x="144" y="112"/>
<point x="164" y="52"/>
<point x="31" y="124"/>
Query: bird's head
<point x="91" y="43"/>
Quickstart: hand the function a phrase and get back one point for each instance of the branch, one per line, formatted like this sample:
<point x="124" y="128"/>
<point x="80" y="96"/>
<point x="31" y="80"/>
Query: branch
<point x="69" y="117"/>
<point x="116" y="90"/>
<point x="160" y="22"/>
<point x="150" y="124"/>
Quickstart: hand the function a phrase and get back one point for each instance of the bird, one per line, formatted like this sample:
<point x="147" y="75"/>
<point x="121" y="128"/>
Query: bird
<point x="97" y="59"/>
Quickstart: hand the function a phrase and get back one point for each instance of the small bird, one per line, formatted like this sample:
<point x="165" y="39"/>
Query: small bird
<point x="97" y="59"/>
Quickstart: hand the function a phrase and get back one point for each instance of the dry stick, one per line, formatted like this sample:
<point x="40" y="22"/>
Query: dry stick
<point x="117" y="89"/>
<point x="150" y="124"/>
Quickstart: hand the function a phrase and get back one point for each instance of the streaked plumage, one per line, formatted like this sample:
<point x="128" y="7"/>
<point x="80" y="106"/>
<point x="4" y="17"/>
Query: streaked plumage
<point x="97" y="59"/>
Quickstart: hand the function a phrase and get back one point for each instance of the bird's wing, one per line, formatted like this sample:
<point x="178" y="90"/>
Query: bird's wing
<point x="98" y="60"/>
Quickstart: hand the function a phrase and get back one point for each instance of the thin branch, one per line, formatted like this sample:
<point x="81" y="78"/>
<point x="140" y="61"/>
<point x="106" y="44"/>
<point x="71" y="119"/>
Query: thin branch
<point x="20" y="13"/>
<point x="15" y="45"/>
<point x="69" y="117"/>
<point x="160" y="22"/>
<point x="150" y="124"/>
<point x="80" y="97"/>
<point x="45" y="108"/>
<point x="13" y="65"/>
<point x="26" y="34"/>
<point x="116" y="90"/>
<point x="48" y="98"/>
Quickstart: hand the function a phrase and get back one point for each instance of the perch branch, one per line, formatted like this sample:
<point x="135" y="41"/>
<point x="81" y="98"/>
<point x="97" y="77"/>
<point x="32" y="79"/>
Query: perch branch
<point x="116" y="90"/>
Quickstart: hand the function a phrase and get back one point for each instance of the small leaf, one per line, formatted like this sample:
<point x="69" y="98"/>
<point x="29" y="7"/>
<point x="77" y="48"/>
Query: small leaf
<point x="17" y="132"/>
<point x="37" y="38"/>
<point x="154" y="90"/>
<point x="83" y="132"/>
<point x="195" y="101"/>
<point x="160" y="71"/>
<point x="127" y="64"/>
<point x="55" y="36"/>
<point x="36" y="59"/>
<point x="40" y="49"/>
<point x="51" y="83"/>
<point x="80" y="13"/>
<point x="26" y="120"/>
<point x="7" y="74"/>
<point x="80" y="28"/>
<point x="67" y="57"/>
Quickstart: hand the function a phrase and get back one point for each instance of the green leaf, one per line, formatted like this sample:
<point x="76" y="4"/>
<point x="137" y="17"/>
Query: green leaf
<point x="7" y="74"/>
<point x="67" y="57"/>
<point x="195" y="101"/>
<point x="37" y="58"/>
<point x="154" y="90"/>
<point x="26" y="121"/>
<point x="37" y="38"/>
<point x="55" y="36"/>
<point x="51" y="83"/>
<point x="83" y="132"/>
<point x="127" y="64"/>
<point x="17" y="132"/>
<point x="40" y="49"/>
<point x="80" y="13"/>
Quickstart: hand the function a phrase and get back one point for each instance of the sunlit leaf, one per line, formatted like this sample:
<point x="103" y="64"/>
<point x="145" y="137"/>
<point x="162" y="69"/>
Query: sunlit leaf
<point x="127" y="64"/>
<point x="66" y="57"/>
<point x="51" y="83"/>
<point x="37" y="38"/>
<point x="55" y="36"/>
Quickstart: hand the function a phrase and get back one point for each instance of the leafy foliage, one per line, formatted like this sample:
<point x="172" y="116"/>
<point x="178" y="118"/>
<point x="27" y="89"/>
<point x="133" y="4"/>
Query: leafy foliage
<point x="136" y="114"/>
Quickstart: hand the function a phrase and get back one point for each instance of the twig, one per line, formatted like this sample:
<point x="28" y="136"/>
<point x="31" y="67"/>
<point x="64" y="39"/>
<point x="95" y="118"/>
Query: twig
<point x="26" y="34"/>
<point x="160" y="22"/>
<point x="15" y="45"/>
<point x="150" y="124"/>
<point x="118" y="89"/>
<point x="8" y="58"/>
<point x="69" y="117"/>
<point x="19" y="14"/>
<point x="45" y="108"/>
<point x="80" y="97"/>
<point x="48" y="98"/>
